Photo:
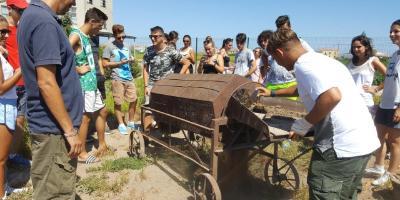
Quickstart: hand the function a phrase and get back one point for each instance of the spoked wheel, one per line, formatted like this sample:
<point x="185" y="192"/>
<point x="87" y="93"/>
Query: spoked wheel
<point x="206" y="188"/>
<point x="136" y="144"/>
<point x="284" y="175"/>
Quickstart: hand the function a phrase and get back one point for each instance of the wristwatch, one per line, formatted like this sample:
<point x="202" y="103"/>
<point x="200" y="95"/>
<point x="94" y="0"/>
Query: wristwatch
<point x="71" y="133"/>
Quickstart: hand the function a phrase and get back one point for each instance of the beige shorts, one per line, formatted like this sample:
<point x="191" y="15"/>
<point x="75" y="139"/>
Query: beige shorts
<point x="93" y="101"/>
<point x="123" y="91"/>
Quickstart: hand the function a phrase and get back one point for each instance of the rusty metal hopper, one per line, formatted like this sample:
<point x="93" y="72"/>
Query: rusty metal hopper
<point x="202" y="98"/>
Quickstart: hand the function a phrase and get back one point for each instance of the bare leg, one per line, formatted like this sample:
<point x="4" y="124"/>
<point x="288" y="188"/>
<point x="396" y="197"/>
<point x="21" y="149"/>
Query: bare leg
<point x="18" y="135"/>
<point x="118" y="113"/>
<point x="381" y="152"/>
<point x="132" y="111"/>
<point x="101" y="117"/>
<point x="5" y="142"/>
<point x="83" y="130"/>
<point x="148" y="119"/>
<point x="394" y="140"/>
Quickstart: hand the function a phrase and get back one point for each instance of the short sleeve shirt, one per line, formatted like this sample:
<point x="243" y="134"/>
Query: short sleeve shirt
<point x="391" y="92"/>
<point x="116" y="53"/>
<point x="42" y="41"/>
<point x="349" y="127"/>
<point x="243" y="61"/>
<point x="160" y="63"/>
<point x="278" y="74"/>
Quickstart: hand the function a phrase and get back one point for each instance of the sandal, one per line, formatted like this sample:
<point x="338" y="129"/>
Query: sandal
<point x="89" y="160"/>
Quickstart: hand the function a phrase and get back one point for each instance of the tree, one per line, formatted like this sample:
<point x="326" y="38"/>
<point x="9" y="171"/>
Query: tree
<point x="66" y="22"/>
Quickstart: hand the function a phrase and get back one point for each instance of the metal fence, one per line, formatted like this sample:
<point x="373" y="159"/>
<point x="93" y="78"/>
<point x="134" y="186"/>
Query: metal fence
<point x="383" y="45"/>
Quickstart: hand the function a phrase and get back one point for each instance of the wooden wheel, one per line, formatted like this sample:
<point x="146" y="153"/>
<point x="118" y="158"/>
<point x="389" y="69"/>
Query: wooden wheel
<point x="206" y="188"/>
<point x="136" y="144"/>
<point x="284" y="175"/>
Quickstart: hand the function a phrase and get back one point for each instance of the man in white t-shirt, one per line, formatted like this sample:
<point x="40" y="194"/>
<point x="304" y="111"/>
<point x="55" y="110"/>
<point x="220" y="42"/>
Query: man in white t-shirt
<point x="345" y="134"/>
<point x="245" y="64"/>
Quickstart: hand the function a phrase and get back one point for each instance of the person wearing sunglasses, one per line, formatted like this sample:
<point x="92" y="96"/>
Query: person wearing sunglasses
<point x="117" y="56"/>
<point x="8" y="106"/>
<point x="15" y="10"/>
<point x="159" y="61"/>
<point x="187" y="52"/>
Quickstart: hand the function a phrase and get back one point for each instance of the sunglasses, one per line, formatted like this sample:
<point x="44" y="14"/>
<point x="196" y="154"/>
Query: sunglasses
<point x="155" y="36"/>
<point x="4" y="32"/>
<point x="121" y="37"/>
<point x="18" y="10"/>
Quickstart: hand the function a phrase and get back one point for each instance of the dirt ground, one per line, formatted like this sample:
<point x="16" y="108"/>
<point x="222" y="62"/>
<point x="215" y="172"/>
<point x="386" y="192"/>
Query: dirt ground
<point x="170" y="177"/>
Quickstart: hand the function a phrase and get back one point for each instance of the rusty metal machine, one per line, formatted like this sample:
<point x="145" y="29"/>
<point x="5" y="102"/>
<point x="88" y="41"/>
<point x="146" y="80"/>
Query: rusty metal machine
<point x="219" y="108"/>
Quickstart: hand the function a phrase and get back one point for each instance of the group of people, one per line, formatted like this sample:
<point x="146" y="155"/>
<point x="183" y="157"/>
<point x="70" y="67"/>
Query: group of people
<point x="55" y="82"/>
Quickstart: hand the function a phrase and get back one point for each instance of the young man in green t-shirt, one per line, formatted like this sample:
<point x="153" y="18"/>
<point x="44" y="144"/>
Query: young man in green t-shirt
<point x="85" y="66"/>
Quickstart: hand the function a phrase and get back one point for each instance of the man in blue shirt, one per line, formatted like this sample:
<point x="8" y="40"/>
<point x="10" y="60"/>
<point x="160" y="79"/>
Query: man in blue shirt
<point x="117" y="56"/>
<point x="55" y="102"/>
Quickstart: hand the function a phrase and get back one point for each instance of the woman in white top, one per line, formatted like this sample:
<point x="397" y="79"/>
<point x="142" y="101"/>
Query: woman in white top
<point x="387" y="119"/>
<point x="256" y="76"/>
<point x="187" y="52"/>
<point x="8" y="101"/>
<point x="363" y="66"/>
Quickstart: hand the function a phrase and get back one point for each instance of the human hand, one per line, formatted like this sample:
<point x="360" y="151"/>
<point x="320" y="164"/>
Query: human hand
<point x="3" y="51"/>
<point x="83" y="69"/>
<point x="146" y="91"/>
<point x="124" y="61"/>
<point x="396" y="115"/>
<point x="262" y="91"/>
<point x="74" y="142"/>
<point x="300" y="127"/>
<point x="371" y="89"/>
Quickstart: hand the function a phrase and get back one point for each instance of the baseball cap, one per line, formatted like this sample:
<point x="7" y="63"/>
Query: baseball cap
<point x="22" y="4"/>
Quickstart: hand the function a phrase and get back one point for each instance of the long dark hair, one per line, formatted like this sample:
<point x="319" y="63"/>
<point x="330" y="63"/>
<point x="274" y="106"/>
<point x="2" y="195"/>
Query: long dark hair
<point x="226" y="41"/>
<point x="366" y="42"/>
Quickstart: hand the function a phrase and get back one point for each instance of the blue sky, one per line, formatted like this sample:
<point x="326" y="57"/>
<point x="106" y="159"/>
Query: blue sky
<point x="225" y="18"/>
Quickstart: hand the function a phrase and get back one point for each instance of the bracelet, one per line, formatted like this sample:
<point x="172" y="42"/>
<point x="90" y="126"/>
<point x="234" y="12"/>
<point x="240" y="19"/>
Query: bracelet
<point x="273" y="93"/>
<point x="74" y="133"/>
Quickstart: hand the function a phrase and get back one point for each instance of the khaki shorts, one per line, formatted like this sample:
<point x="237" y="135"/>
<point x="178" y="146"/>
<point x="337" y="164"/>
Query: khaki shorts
<point x="52" y="172"/>
<point x="123" y="91"/>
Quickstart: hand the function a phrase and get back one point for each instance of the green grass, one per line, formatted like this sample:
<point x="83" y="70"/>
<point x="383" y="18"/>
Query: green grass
<point x="100" y="184"/>
<point x="119" y="165"/>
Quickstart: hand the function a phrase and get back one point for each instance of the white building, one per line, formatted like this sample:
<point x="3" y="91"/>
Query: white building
<point x="77" y="12"/>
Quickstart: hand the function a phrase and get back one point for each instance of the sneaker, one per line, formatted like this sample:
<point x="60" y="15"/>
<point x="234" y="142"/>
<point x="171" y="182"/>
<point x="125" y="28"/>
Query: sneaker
<point x="381" y="180"/>
<point x="132" y="125"/>
<point x="375" y="170"/>
<point x="122" y="129"/>
<point x="19" y="159"/>
<point x="9" y="190"/>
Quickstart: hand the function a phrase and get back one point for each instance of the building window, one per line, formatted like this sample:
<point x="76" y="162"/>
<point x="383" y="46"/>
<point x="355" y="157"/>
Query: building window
<point x="4" y="11"/>
<point x="103" y="3"/>
<point x="90" y="2"/>
<point x="105" y="26"/>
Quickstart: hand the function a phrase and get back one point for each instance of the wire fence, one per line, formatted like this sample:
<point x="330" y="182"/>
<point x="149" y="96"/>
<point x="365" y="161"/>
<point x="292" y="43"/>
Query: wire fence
<point x="382" y="45"/>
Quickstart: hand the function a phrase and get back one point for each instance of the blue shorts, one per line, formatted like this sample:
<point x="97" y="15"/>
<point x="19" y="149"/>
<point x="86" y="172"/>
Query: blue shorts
<point x="8" y="113"/>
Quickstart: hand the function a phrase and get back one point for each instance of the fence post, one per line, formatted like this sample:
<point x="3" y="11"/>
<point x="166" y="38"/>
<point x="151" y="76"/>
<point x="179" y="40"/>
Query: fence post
<point x="195" y="59"/>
